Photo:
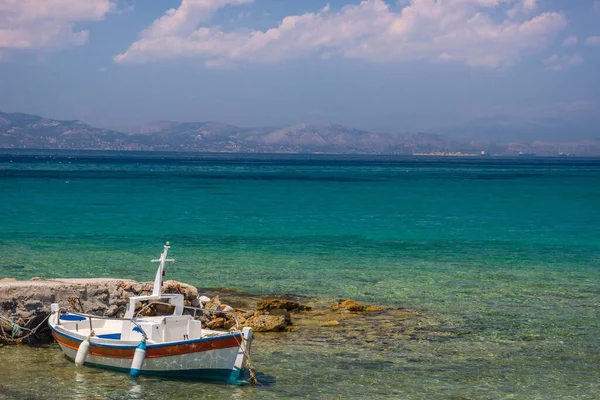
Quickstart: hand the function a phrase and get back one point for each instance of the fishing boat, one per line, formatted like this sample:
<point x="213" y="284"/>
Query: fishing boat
<point x="175" y="345"/>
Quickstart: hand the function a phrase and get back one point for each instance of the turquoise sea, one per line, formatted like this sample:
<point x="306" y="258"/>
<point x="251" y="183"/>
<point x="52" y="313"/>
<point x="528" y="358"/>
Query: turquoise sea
<point x="504" y="253"/>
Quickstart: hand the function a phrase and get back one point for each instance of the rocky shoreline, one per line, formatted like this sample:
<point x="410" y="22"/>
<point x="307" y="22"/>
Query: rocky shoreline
<point x="25" y="304"/>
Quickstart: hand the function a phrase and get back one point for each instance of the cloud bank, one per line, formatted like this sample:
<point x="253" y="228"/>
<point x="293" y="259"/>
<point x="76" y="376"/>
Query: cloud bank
<point x="484" y="33"/>
<point x="46" y="25"/>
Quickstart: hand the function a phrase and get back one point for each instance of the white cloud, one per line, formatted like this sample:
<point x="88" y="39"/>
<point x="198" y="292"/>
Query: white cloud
<point x="47" y="24"/>
<point x="452" y="30"/>
<point x="593" y="41"/>
<point x="185" y="19"/>
<point x="570" y="41"/>
<point x="525" y="7"/>
<point x="563" y="63"/>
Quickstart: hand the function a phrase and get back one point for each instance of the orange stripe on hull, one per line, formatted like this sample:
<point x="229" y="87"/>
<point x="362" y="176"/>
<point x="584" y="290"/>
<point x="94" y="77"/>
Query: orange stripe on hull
<point x="151" y="352"/>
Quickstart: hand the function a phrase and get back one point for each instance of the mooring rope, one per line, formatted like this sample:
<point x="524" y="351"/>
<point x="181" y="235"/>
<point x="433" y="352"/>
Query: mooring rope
<point x="253" y="379"/>
<point x="17" y="330"/>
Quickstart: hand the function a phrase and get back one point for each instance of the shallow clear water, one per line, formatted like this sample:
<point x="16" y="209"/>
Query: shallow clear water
<point x="506" y="252"/>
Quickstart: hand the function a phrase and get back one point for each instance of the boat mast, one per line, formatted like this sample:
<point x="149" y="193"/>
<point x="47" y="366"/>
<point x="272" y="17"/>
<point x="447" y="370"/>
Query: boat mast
<point x="158" y="280"/>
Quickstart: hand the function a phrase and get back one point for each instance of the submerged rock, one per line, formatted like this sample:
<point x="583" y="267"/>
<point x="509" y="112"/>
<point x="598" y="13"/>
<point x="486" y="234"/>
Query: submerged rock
<point x="354" y="306"/>
<point x="330" y="323"/>
<point x="268" y="323"/>
<point x="348" y="305"/>
<point x="272" y="304"/>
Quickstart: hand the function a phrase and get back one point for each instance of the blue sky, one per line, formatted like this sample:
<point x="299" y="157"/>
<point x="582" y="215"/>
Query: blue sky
<point x="476" y="68"/>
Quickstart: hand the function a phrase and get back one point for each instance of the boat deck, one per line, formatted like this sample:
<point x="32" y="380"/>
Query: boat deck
<point x="162" y="329"/>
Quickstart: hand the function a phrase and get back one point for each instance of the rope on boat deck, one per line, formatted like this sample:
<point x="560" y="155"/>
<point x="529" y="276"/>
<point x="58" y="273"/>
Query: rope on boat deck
<point x="17" y="330"/>
<point x="253" y="379"/>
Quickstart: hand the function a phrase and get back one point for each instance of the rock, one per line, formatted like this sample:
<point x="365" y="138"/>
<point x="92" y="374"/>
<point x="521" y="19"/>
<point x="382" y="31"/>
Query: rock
<point x="216" y="323"/>
<point x="213" y="304"/>
<point x="267" y="323"/>
<point x="7" y="280"/>
<point x="32" y="306"/>
<point x="35" y="278"/>
<point x="348" y="305"/>
<point x="203" y="300"/>
<point x="196" y="303"/>
<point x="137" y="288"/>
<point x="230" y="323"/>
<point x="224" y="307"/>
<point x="243" y="315"/>
<point x="190" y="292"/>
<point x="172" y="287"/>
<point x="289" y="305"/>
<point x="354" y="306"/>
<point x="112" y="311"/>
<point x="147" y="288"/>
<point x="279" y="311"/>
<point x="330" y="323"/>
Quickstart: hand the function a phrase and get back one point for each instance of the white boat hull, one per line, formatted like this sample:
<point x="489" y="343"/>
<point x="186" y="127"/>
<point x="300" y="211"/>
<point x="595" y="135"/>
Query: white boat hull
<point x="216" y="358"/>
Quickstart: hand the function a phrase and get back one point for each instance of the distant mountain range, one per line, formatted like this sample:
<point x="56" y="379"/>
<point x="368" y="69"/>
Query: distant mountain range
<point x="19" y="130"/>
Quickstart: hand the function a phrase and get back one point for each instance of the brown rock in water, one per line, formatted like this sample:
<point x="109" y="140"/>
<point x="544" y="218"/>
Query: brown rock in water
<point x="267" y="323"/>
<point x="289" y="305"/>
<point x="213" y="304"/>
<point x="216" y="323"/>
<point x="230" y="323"/>
<point x="242" y="315"/>
<point x="330" y="323"/>
<point x="373" y="308"/>
<point x="224" y="307"/>
<point x="278" y="311"/>
<point x="348" y="305"/>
